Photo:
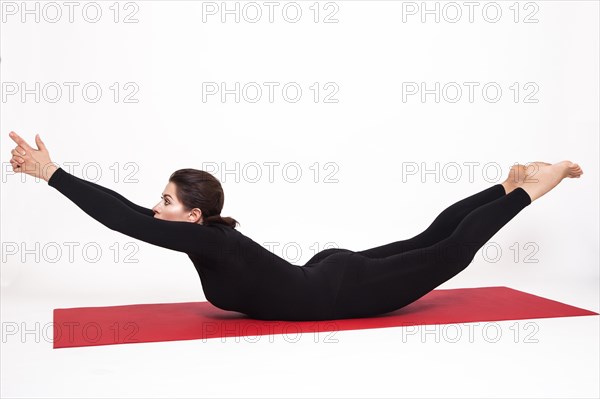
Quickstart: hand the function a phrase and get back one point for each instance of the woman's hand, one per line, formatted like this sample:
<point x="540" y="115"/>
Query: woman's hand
<point x="30" y="161"/>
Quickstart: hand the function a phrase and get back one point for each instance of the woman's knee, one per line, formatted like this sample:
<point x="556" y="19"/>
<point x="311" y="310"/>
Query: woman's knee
<point x="450" y="251"/>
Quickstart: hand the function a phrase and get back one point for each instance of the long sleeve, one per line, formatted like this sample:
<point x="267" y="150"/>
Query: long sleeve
<point x="115" y="214"/>
<point x="134" y="206"/>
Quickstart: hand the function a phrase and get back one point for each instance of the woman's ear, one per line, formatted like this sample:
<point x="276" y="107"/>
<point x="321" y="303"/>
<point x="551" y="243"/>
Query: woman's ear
<point x="195" y="216"/>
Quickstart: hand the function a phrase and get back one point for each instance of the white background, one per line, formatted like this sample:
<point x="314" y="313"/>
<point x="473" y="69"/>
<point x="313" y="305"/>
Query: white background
<point x="360" y="197"/>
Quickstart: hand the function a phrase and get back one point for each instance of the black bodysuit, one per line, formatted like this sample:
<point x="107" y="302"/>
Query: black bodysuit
<point x="238" y="274"/>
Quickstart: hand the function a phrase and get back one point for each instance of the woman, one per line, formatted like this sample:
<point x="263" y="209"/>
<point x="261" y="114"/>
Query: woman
<point x="240" y="275"/>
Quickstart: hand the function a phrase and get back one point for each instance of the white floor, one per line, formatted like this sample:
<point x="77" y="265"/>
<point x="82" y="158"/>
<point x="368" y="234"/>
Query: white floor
<point x="557" y="357"/>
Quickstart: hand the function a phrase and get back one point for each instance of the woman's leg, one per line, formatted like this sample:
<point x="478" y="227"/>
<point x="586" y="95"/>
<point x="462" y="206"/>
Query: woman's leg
<point x="375" y="286"/>
<point x="443" y="225"/>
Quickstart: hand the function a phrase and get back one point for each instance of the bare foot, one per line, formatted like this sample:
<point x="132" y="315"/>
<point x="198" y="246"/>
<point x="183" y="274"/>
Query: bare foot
<point x="547" y="177"/>
<point x="533" y="167"/>
<point x="518" y="173"/>
<point x="574" y="172"/>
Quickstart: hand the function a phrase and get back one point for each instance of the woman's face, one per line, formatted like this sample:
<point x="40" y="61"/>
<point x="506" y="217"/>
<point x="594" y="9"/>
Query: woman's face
<point x="169" y="208"/>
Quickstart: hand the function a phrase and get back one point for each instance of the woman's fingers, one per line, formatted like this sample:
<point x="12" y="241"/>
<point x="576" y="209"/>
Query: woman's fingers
<point x="18" y="151"/>
<point x="40" y="144"/>
<point x="17" y="159"/>
<point x="31" y="161"/>
<point x="22" y="143"/>
<point x="16" y="167"/>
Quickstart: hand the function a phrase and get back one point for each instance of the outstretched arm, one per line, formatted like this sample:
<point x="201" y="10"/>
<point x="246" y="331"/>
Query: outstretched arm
<point x="113" y="210"/>
<point x="135" y="207"/>
<point x="117" y="215"/>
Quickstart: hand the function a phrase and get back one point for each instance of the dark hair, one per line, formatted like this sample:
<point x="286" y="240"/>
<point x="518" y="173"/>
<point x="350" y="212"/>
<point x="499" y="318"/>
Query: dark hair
<point x="199" y="189"/>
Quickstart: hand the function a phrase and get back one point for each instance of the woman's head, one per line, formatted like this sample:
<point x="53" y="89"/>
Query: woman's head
<point x="194" y="196"/>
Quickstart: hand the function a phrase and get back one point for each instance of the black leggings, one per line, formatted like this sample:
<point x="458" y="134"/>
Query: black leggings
<point x="394" y="275"/>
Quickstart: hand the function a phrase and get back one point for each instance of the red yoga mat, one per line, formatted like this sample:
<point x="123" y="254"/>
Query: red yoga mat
<point x="91" y="326"/>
